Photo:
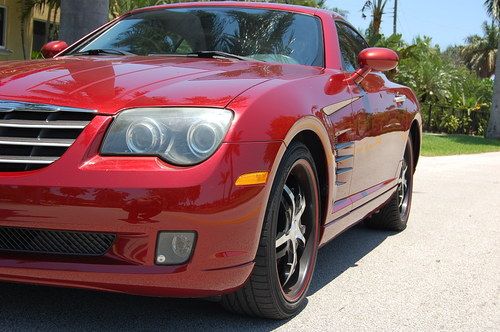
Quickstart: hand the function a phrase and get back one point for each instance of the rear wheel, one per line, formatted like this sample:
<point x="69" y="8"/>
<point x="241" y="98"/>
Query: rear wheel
<point x="394" y="215"/>
<point x="288" y="245"/>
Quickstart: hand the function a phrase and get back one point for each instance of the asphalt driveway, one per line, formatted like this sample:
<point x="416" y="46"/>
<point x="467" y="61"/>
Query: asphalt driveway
<point x="442" y="273"/>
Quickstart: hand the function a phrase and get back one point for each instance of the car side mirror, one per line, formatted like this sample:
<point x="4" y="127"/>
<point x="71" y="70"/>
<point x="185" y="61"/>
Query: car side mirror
<point x="53" y="48"/>
<point x="374" y="59"/>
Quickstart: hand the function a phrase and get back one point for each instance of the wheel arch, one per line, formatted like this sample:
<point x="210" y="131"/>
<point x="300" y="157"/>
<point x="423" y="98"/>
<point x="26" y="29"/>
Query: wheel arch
<point x="416" y="139"/>
<point x="311" y="132"/>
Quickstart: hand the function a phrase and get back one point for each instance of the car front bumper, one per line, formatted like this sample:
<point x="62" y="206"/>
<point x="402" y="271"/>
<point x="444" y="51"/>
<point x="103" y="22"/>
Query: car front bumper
<point x="136" y="198"/>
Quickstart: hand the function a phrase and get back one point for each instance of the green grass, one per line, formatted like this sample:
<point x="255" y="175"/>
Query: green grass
<point x="445" y="145"/>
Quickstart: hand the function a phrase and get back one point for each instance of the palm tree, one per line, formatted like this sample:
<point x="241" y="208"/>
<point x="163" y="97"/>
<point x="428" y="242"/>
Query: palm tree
<point x="493" y="9"/>
<point x="376" y="7"/>
<point x="54" y="6"/>
<point x="480" y="53"/>
<point x="79" y="18"/>
<point x="340" y="11"/>
<point x="493" y="131"/>
<point x="24" y="5"/>
<point x="27" y="6"/>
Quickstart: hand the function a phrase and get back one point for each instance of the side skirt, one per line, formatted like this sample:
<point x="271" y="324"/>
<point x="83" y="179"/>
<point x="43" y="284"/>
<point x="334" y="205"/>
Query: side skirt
<point x="343" y="223"/>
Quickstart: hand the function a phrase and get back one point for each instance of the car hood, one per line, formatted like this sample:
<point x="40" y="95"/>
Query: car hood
<point x="109" y="84"/>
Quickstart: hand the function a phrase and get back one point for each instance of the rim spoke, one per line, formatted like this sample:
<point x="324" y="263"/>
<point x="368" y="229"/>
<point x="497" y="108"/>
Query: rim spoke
<point x="403" y="187"/>
<point x="293" y="264"/>
<point x="301" y="239"/>
<point x="301" y="208"/>
<point x="281" y="240"/>
<point x="291" y="197"/>
<point x="404" y="169"/>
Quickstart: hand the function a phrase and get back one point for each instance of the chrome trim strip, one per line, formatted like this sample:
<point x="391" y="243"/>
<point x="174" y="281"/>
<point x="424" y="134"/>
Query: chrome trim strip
<point x="342" y="132"/>
<point x="55" y="142"/>
<point x="400" y="99"/>
<point x="7" y="106"/>
<point x="343" y="158"/>
<point x="58" y="124"/>
<point x="343" y="170"/>
<point x="330" y="109"/>
<point x="27" y="160"/>
<point x="341" y="146"/>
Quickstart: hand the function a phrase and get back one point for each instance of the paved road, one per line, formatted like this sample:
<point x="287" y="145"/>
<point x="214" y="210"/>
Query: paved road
<point x="442" y="273"/>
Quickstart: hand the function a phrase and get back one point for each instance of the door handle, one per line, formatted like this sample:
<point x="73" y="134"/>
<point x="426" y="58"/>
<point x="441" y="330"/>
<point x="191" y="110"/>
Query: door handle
<point x="400" y="99"/>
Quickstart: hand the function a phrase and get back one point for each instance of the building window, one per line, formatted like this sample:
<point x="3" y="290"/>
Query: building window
<point x="40" y="34"/>
<point x="3" y="24"/>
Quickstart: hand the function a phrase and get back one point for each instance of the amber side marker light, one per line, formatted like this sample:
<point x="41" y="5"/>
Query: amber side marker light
<point x="252" y="179"/>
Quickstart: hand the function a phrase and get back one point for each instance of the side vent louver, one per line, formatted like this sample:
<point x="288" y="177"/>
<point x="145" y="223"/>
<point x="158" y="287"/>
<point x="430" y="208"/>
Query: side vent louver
<point x="343" y="159"/>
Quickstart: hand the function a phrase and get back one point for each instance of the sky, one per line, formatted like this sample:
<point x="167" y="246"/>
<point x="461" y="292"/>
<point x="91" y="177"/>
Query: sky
<point x="448" y="22"/>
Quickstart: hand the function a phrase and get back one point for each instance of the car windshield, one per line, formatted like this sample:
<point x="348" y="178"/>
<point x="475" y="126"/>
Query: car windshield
<point x="259" y="34"/>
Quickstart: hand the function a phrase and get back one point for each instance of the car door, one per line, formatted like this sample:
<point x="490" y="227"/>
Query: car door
<point x="341" y="129"/>
<point x="376" y="148"/>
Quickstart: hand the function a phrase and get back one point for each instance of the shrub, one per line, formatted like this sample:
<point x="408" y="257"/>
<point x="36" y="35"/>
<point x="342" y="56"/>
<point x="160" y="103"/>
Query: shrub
<point x="458" y="99"/>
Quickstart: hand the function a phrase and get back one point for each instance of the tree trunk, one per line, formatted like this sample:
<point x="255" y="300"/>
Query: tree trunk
<point x="377" y="22"/>
<point x="23" y="39"/>
<point x="79" y="18"/>
<point x="22" y="3"/>
<point x="54" y="29"/>
<point x="494" y="123"/>
<point x="47" y="25"/>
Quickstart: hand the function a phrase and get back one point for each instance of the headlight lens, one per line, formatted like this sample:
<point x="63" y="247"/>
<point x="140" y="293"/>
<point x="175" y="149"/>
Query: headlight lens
<point x="145" y="136"/>
<point x="181" y="136"/>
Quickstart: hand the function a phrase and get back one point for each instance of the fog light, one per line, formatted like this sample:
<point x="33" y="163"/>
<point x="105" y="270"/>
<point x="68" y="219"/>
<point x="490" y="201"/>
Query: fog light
<point x="174" y="247"/>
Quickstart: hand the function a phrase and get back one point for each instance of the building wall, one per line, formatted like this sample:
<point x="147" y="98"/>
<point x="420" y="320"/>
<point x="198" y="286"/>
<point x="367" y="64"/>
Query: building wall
<point x="13" y="29"/>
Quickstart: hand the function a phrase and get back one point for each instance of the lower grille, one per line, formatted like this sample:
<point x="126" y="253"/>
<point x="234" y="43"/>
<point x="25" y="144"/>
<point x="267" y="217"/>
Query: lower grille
<point x="33" y="136"/>
<point x="37" y="241"/>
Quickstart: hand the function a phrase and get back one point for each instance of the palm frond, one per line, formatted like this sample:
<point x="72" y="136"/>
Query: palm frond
<point x="480" y="52"/>
<point x="493" y="8"/>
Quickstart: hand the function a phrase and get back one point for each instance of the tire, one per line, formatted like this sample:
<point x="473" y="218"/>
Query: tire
<point x="275" y="289"/>
<point x="394" y="215"/>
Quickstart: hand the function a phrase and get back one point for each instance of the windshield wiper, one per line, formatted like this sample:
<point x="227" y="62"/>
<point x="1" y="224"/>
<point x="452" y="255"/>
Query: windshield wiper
<point x="102" y="51"/>
<point x="212" y="54"/>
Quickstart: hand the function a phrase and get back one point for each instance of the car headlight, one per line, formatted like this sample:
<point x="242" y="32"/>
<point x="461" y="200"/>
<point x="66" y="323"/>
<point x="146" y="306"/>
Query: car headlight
<point x="180" y="136"/>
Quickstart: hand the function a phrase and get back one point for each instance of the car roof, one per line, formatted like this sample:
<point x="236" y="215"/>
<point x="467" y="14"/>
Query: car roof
<point x="256" y="5"/>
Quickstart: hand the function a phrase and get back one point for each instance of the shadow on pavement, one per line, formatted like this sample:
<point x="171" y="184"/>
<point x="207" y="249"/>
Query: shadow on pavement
<point x="343" y="253"/>
<point x="24" y="307"/>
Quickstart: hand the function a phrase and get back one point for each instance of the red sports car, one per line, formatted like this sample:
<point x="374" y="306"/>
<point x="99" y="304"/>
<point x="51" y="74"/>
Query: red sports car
<point x="199" y="150"/>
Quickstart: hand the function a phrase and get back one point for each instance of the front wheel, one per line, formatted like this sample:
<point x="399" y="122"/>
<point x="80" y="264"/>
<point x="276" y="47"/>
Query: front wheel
<point x="288" y="245"/>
